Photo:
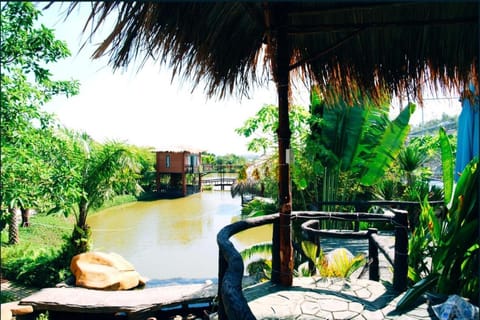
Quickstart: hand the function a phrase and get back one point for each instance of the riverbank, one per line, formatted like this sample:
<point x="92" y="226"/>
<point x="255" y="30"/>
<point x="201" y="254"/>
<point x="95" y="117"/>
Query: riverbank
<point x="39" y="245"/>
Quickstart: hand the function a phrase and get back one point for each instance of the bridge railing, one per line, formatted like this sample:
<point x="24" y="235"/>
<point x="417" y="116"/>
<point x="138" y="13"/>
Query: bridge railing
<point x="226" y="168"/>
<point x="219" y="181"/>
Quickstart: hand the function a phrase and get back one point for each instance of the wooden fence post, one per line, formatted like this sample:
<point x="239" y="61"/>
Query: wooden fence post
<point x="373" y="264"/>
<point x="400" y="269"/>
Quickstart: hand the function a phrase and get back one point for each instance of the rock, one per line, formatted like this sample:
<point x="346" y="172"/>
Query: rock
<point x="11" y="309"/>
<point x="106" y="271"/>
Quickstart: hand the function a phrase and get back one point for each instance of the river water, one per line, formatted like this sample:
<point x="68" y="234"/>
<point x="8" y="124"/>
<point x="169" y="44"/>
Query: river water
<point x="172" y="240"/>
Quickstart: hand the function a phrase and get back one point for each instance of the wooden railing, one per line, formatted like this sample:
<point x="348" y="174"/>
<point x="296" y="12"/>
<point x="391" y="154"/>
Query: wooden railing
<point x="398" y="259"/>
<point x="232" y="303"/>
<point x="223" y="181"/>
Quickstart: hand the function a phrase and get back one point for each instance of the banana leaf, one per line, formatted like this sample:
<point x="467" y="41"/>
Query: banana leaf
<point x="388" y="148"/>
<point x="447" y="165"/>
<point x="257" y="249"/>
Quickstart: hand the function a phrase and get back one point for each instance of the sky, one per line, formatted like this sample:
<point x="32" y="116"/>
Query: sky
<point x="146" y="108"/>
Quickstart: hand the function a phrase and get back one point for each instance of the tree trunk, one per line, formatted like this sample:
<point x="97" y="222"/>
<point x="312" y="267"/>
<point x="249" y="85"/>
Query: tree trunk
<point x="13" y="226"/>
<point x="282" y="251"/>
<point x="81" y="239"/>
<point x="81" y="233"/>
<point x="82" y="214"/>
<point x="26" y="213"/>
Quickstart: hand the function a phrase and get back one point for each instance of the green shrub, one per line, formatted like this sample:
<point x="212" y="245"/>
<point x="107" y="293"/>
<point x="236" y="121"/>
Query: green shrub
<point x="6" y="296"/>
<point x="258" y="207"/>
<point x="42" y="258"/>
<point x="34" y="267"/>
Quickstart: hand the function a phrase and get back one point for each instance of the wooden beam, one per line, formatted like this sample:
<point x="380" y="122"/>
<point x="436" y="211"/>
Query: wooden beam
<point x="282" y="257"/>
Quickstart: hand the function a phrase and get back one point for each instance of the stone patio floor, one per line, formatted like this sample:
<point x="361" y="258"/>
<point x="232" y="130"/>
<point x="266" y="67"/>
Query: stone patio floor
<point x="310" y="298"/>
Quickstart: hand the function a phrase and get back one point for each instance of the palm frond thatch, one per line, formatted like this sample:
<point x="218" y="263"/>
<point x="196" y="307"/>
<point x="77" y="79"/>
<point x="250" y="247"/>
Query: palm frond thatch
<point x="366" y="47"/>
<point x="399" y="46"/>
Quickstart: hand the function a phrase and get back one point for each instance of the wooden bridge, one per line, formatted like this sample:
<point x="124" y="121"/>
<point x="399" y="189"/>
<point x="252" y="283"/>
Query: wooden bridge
<point x="220" y="168"/>
<point x="218" y="181"/>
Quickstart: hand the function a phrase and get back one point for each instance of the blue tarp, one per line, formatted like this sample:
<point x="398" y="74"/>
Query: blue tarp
<point x="468" y="143"/>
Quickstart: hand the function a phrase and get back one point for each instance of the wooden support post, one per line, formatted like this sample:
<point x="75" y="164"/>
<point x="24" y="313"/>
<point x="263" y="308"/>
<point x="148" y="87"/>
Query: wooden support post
<point x="282" y="250"/>
<point x="373" y="264"/>
<point x="400" y="269"/>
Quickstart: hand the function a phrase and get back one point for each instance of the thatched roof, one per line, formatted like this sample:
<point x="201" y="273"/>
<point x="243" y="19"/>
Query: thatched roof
<point x="400" y="46"/>
<point x="345" y="47"/>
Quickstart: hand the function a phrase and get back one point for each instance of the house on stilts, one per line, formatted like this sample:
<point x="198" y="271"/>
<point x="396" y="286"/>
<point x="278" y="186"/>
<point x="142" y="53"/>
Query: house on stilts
<point x="178" y="172"/>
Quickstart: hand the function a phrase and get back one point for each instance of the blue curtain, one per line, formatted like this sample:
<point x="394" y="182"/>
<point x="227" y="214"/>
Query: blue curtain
<point x="468" y="133"/>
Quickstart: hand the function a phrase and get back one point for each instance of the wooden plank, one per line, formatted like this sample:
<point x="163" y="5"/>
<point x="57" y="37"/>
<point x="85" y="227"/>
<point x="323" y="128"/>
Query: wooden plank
<point x="76" y="299"/>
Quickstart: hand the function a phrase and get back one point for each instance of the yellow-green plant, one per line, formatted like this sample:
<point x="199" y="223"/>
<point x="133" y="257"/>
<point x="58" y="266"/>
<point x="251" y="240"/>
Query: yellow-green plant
<point x="340" y="264"/>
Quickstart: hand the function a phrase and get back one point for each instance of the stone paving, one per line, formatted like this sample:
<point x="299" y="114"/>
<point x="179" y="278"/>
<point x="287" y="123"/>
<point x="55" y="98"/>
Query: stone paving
<point x="310" y="298"/>
<point x="321" y="298"/>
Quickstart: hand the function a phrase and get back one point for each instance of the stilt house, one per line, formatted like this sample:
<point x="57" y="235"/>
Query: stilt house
<point x="178" y="172"/>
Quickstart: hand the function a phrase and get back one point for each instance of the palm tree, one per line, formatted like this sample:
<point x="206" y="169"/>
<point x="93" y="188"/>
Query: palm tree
<point x="411" y="158"/>
<point x="13" y="214"/>
<point x="369" y="47"/>
<point x="104" y="167"/>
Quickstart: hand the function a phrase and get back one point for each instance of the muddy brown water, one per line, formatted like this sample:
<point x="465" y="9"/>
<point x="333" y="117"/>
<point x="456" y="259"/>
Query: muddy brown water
<point x="172" y="241"/>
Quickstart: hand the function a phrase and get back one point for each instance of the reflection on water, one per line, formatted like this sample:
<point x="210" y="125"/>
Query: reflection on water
<point x="172" y="238"/>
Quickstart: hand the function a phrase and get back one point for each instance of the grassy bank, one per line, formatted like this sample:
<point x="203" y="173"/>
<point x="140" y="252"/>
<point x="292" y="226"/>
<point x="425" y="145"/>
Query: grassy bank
<point x="40" y="259"/>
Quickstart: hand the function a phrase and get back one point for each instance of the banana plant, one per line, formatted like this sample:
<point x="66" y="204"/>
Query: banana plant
<point x="452" y="241"/>
<point x="358" y="138"/>
<point x="381" y="153"/>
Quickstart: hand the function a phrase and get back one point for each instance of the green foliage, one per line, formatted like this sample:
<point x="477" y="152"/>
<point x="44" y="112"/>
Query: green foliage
<point x="261" y="269"/>
<point x="42" y="258"/>
<point x="6" y="297"/>
<point x="43" y="316"/>
<point x="352" y="146"/>
<point x="229" y="159"/>
<point x="146" y="161"/>
<point x="35" y="166"/>
<point x="451" y="241"/>
<point x="257" y="249"/>
<point x="387" y="148"/>
<point x="262" y="132"/>
<point x="208" y="158"/>
<point x="447" y="164"/>
<point x="410" y="159"/>
<point x="104" y="171"/>
<point x="412" y="295"/>
<point x="258" y="207"/>
<point x="341" y="265"/>
<point x="38" y="268"/>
